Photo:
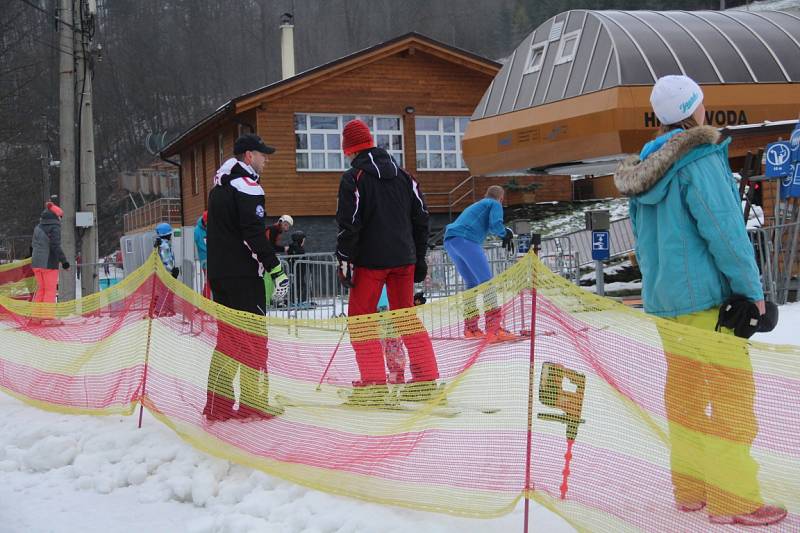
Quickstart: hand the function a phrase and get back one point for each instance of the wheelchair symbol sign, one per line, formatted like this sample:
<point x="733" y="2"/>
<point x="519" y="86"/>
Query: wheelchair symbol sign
<point x="778" y="154"/>
<point x="778" y="159"/>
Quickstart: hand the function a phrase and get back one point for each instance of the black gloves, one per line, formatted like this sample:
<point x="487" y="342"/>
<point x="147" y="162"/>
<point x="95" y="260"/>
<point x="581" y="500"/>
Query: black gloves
<point x="175" y="271"/>
<point x="345" y="271"/>
<point x="157" y="243"/>
<point x="65" y="265"/>
<point x="420" y="271"/>
<point x="508" y="240"/>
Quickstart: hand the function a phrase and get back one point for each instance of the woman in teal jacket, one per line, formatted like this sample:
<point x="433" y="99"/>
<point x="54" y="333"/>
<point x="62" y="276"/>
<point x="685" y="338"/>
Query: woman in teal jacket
<point x="694" y="253"/>
<point x="200" y="235"/>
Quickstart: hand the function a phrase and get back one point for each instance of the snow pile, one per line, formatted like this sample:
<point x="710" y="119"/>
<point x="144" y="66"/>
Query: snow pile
<point x="102" y="474"/>
<point x="777" y="5"/>
<point x="755" y="218"/>
<point x="575" y="220"/>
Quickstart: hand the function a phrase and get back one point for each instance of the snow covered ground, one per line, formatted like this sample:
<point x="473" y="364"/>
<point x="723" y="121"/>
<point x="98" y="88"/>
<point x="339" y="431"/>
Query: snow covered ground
<point x="779" y="5"/>
<point x="574" y="220"/>
<point x="88" y="474"/>
<point x="100" y="474"/>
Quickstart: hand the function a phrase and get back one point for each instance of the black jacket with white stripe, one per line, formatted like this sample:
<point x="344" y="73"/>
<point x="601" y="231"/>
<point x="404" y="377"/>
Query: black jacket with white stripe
<point x="382" y="216"/>
<point x="236" y="239"/>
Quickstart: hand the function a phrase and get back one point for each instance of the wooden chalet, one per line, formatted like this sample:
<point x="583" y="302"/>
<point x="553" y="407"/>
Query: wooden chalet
<point x="577" y="88"/>
<point x="415" y="93"/>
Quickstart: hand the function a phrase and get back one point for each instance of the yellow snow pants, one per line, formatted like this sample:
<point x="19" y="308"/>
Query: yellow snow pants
<point x="709" y="396"/>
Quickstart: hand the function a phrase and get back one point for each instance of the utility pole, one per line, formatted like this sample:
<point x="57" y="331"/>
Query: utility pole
<point x="88" y="188"/>
<point x="45" y="163"/>
<point x="66" y="136"/>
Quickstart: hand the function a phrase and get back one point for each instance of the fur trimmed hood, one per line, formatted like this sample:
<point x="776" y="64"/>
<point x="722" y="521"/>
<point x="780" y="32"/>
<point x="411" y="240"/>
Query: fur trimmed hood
<point x="636" y="176"/>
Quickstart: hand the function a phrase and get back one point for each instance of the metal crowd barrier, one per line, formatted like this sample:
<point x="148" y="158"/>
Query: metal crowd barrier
<point x="557" y="254"/>
<point x="578" y="251"/>
<point x="108" y="273"/>
<point x="778" y="257"/>
<point x="315" y="292"/>
<point x="314" y="289"/>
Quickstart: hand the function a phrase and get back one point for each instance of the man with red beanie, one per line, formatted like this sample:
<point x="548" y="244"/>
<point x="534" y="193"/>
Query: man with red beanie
<point x="383" y="233"/>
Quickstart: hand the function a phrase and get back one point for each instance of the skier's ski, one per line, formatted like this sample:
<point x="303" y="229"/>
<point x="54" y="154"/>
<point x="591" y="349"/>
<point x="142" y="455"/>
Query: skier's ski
<point x="403" y="407"/>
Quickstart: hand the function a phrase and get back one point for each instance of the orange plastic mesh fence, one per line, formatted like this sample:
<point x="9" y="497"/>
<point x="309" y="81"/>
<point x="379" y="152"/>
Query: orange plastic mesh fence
<point x="643" y="408"/>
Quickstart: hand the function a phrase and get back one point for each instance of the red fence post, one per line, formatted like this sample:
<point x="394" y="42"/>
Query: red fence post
<point x="150" y="315"/>
<point x="531" y="376"/>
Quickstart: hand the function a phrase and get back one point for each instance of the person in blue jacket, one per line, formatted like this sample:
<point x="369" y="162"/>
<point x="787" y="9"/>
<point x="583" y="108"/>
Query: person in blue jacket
<point x="163" y="245"/>
<point x="463" y="241"/>
<point x="694" y="254"/>
<point x="200" y="235"/>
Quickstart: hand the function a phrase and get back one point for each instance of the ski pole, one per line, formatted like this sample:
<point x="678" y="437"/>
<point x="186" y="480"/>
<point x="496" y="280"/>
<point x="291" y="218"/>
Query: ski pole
<point x="324" y="374"/>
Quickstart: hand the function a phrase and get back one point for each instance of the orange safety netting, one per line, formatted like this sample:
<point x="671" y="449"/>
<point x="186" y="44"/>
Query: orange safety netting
<point x="600" y="378"/>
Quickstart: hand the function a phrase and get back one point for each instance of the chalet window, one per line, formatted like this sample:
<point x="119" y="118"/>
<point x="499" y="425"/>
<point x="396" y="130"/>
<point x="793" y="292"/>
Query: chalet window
<point x="567" y="47"/>
<point x="196" y="171"/>
<point x="220" y="149"/>
<point x="318" y="139"/>
<point x="439" y="143"/>
<point x="536" y="57"/>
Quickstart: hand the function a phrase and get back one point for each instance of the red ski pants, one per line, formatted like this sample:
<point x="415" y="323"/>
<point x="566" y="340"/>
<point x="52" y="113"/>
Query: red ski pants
<point x="365" y="333"/>
<point x="47" y="285"/>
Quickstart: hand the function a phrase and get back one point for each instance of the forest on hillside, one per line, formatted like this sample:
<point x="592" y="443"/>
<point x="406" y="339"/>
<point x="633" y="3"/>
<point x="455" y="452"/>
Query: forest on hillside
<point x="165" y="64"/>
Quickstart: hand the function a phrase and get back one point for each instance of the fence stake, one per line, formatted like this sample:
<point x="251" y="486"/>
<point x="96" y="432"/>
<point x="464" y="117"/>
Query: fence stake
<point x="150" y="313"/>
<point x="324" y="374"/>
<point x="531" y="375"/>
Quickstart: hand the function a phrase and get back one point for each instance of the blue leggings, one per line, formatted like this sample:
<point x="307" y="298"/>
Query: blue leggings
<point x="469" y="260"/>
<point x="471" y="263"/>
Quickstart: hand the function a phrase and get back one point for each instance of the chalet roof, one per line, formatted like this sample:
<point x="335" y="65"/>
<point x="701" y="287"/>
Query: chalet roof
<point x="408" y="42"/>
<point x="582" y="51"/>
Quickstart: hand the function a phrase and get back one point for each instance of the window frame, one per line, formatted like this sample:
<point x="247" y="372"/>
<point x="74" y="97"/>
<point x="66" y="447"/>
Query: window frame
<point x="529" y="68"/>
<point x="399" y="155"/>
<point x="195" y="171"/>
<point x="440" y="133"/>
<point x="560" y="57"/>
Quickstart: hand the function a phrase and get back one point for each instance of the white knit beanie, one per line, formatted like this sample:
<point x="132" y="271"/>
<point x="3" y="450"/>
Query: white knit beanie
<point x="675" y="98"/>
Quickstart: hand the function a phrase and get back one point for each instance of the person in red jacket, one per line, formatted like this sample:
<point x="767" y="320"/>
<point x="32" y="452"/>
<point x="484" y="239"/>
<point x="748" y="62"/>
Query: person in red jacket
<point x="382" y="240"/>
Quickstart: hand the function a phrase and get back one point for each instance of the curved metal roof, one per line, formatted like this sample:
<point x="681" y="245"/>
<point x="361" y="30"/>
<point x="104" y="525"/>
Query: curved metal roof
<point x="581" y="51"/>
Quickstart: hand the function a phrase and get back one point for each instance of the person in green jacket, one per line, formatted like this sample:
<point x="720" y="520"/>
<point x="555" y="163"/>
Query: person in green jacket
<point x="694" y="253"/>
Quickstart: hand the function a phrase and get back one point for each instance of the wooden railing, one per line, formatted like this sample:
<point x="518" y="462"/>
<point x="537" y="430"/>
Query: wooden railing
<point x="161" y="210"/>
<point x="454" y="197"/>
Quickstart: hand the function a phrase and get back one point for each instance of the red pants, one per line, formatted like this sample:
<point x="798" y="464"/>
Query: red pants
<point x="206" y="288"/>
<point x="47" y="285"/>
<point x="365" y="336"/>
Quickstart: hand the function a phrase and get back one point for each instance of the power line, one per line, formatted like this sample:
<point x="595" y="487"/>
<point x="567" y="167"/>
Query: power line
<point x="37" y="8"/>
<point x="51" y="46"/>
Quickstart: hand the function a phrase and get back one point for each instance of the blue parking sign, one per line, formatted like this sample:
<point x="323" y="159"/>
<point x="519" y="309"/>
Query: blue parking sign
<point x="600" y="245"/>
<point x="778" y="159"/>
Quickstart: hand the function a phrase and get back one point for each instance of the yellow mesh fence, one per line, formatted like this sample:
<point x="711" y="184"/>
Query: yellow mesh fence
<point x="16" y="280"/>
<point x="627" y="412"/>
